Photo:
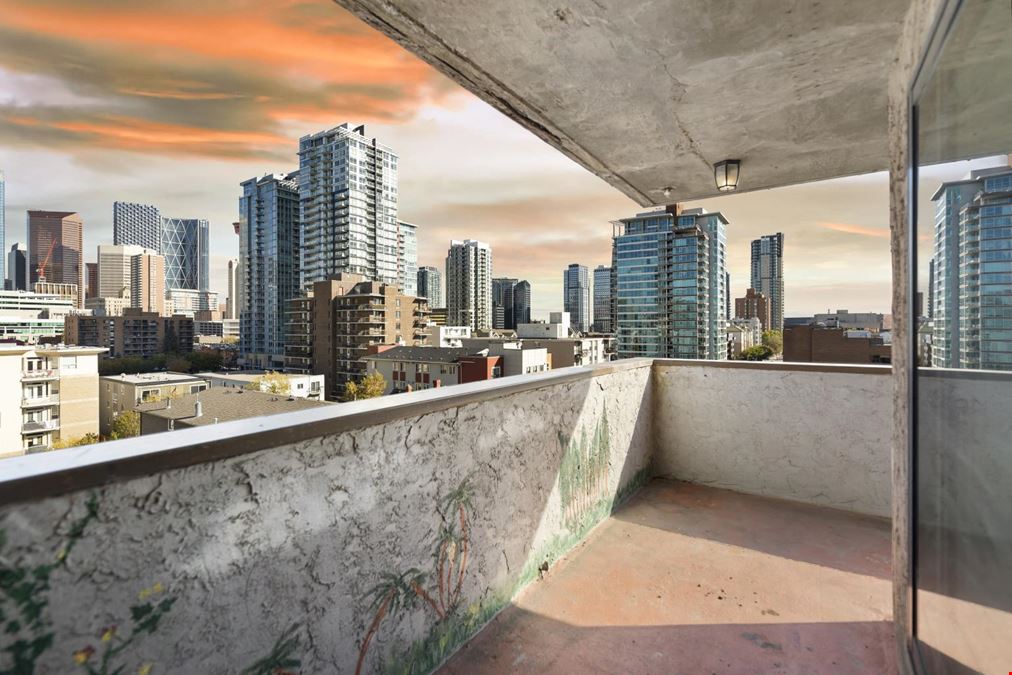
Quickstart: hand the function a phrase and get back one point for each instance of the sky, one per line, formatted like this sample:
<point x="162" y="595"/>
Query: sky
<point x="175" y="103"/>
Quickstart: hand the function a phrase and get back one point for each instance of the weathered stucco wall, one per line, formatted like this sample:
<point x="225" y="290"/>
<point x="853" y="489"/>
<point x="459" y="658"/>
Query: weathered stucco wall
<point x="405" y="537"/>
<point x="796" y="432"/>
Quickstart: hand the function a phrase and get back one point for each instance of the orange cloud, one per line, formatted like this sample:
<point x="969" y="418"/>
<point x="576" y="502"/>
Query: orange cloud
<point x="862" y="230"/>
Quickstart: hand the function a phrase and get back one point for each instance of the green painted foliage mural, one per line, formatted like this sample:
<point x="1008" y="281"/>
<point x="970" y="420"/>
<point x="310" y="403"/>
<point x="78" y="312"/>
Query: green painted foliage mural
<point x="584" y="473"/>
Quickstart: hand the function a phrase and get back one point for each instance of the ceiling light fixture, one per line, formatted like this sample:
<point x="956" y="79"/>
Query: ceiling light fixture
<point x="726" y="173"/>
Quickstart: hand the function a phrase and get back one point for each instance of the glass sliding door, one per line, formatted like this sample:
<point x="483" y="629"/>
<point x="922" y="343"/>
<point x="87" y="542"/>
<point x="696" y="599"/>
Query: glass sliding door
<point x="962" y="319"/>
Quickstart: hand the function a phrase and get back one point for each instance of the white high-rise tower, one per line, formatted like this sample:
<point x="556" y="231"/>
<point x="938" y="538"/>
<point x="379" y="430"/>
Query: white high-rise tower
<point x="469" y="284"/>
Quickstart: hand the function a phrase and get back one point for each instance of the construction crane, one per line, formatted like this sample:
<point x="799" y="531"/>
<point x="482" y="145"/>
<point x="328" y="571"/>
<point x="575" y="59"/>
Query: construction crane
<point x="42" y="265"/>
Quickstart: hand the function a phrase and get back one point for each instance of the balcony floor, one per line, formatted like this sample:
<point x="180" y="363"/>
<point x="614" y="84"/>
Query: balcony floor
<point x="691" y="579"/>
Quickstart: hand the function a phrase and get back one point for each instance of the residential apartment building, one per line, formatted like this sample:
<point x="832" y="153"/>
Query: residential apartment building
<point x="973" y="272"/>
<point x="346" y="316"/>
<point x="132" y="273"/>
<point x="576" y="296"/>
<point x="348" y="201"/>
<point x="299" y="385"/>
<point x="135" y="333"/>
<point x="754" y="305"/>
<point x="137" y="225"/>
<point x="299" y="334"/>
<point x="407" y="258"/>
<point x="669" y="283"/>
<point x="17" y="268"/>
<point x="187" y="301"/>
<point x="447" y="336"/>
<point x="416" y="368"/>
<point x="56" y="250"/>
<point x="469" y="284"/>
<point x="841" y="318"/>
<point x="122" y="393"/>
<point x="269" y="250"/>
<point x="106" y="306"/>
<point x="232" y="304"/>
<point x="502" y="303"/>
<point x="603" y="300"/>
<point x="743" y="334"/>
<point x="47" y="394"/>
<point x="185" y="246"/>
<point x="768" y="275"/>
<point x="430" y="286"/>
<point x="216" y="406"/>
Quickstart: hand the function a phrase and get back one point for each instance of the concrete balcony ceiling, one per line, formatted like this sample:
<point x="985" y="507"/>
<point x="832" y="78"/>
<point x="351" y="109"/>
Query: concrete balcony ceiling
<point x="650" y="95"/>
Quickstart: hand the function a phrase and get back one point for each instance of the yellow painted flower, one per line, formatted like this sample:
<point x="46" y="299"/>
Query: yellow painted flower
<point x="108" y="633"/>
<point x="144" y="670"/>
<point x="81" y="656"/>
<point x="148" y="592"/>
<point x="61" y="554"/>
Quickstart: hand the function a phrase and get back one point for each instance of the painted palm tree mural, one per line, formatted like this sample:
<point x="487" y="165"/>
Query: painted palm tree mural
<point x="584" y="474"/>
<point x="397" y="592"/>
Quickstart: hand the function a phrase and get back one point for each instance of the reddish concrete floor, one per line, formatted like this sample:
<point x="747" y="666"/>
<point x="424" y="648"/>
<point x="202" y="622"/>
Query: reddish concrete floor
<point x="690" y="579"/>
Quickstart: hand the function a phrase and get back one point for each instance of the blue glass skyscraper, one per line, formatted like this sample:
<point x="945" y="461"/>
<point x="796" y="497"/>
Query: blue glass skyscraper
<point x="670" y="299"/>
<point x="184" y="245"/>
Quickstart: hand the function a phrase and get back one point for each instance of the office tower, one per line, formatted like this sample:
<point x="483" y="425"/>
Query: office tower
<point x="972" y="254"/>
<point x="576" y="296"/>
<point x="269" y="250"/>
<point x="469" y="284"/>
<point x="231" y="301"/>
<point x="55" y="246"/>
<point x="522" y="302"/>
<point x="348" y="200"/>
<point x="147" y="283"/>
<point x="3" y="224"/>
<point x="343" y="319"/>
<point x="137" y="225"/>
<point x="768" y="274"/>
<point x="91" y="280"/>
<point x="185" y="247"/>
<point x="17" y="268"/>
<point x="502" y="303"/>
<point x="669" y="278"/>
<point x="602" y="299"/>
<point x="430" y="286"/>
<point x="754" y="305"/>
<point x="114" y="270"/>
<point x="407" y="258"/>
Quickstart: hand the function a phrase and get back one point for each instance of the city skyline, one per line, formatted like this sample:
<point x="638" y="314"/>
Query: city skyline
<point x="213" y="113"/>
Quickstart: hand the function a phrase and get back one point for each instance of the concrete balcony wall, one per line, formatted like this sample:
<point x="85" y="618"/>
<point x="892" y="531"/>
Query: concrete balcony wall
<point x="814" y="433"/>
<point x="392" y="528"/>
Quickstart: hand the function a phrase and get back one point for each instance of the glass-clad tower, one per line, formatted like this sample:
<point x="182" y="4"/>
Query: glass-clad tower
<point x="669" y="274"/>
<point x="768" y="274"/>
<point x="137" y="225"/>
<point x="430" y="285"/>
<point x="602" y="299"/>
<point x="269" y="250"/>
<point x="184" y="245"/>
<point x="972" y="284"/>
<point x="576" y="296"/>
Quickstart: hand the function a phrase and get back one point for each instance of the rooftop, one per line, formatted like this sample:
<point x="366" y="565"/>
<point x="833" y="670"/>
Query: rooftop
<point x="152" y="378"/>
<point x="223" y="404"/>
<point x="423" y="354"/>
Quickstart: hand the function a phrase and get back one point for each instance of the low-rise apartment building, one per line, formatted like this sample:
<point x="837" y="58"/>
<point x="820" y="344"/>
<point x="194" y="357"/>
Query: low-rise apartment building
<point x="46" y="395"/>
<point x="818" y="344"/>
<point x="136" y="333"/>
<point x="215" y="406"/>
<point x="415" y="368"/>
<point x="299" y="385"/>
<point x="120" y="393"/>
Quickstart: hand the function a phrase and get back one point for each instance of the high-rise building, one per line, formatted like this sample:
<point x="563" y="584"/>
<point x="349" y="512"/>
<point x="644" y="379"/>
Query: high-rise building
<point x="727" y="296"/>
<point x="502" y="303"/>
<point x="576" y="296"/>
<point x="90" y="280"/>
<point x="342" y="319"/>
<point x="185" y="247"/>
<point x="114" y="269"/>
<point x="603" y="304"/>
<point x="269" y="250"/>
<point x="232" y="300"/>
<point x="137" y="225"/>
<point x="973" y="267"/>
<point x="469" y="284"/>
<point x="407" y="258"/>
<point x="348" y="199"/>
<point x="189" y="302"/>
<point x="931" y="289"/>
<point x="430" y="286"/>
<point x="3" y="223"/>
<point x="754" y="305"/>
<point x="133" y="273"/>
<point x="55" y="249"/>
<point x="522" y="302"/>
<point x="768" y="274"/>
<point x="669" y="278"/>
<point x="17" y="268"/>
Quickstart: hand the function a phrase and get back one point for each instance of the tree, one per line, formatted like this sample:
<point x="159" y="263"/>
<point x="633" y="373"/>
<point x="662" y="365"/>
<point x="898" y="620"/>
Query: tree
<point x="126" y="425"/>
<point x="774" y="339"/>
<point x="87" y="439"/>
<point x="370" y="386"/>
<point x="271" y="383"/>
<point x="756" y="353"/>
